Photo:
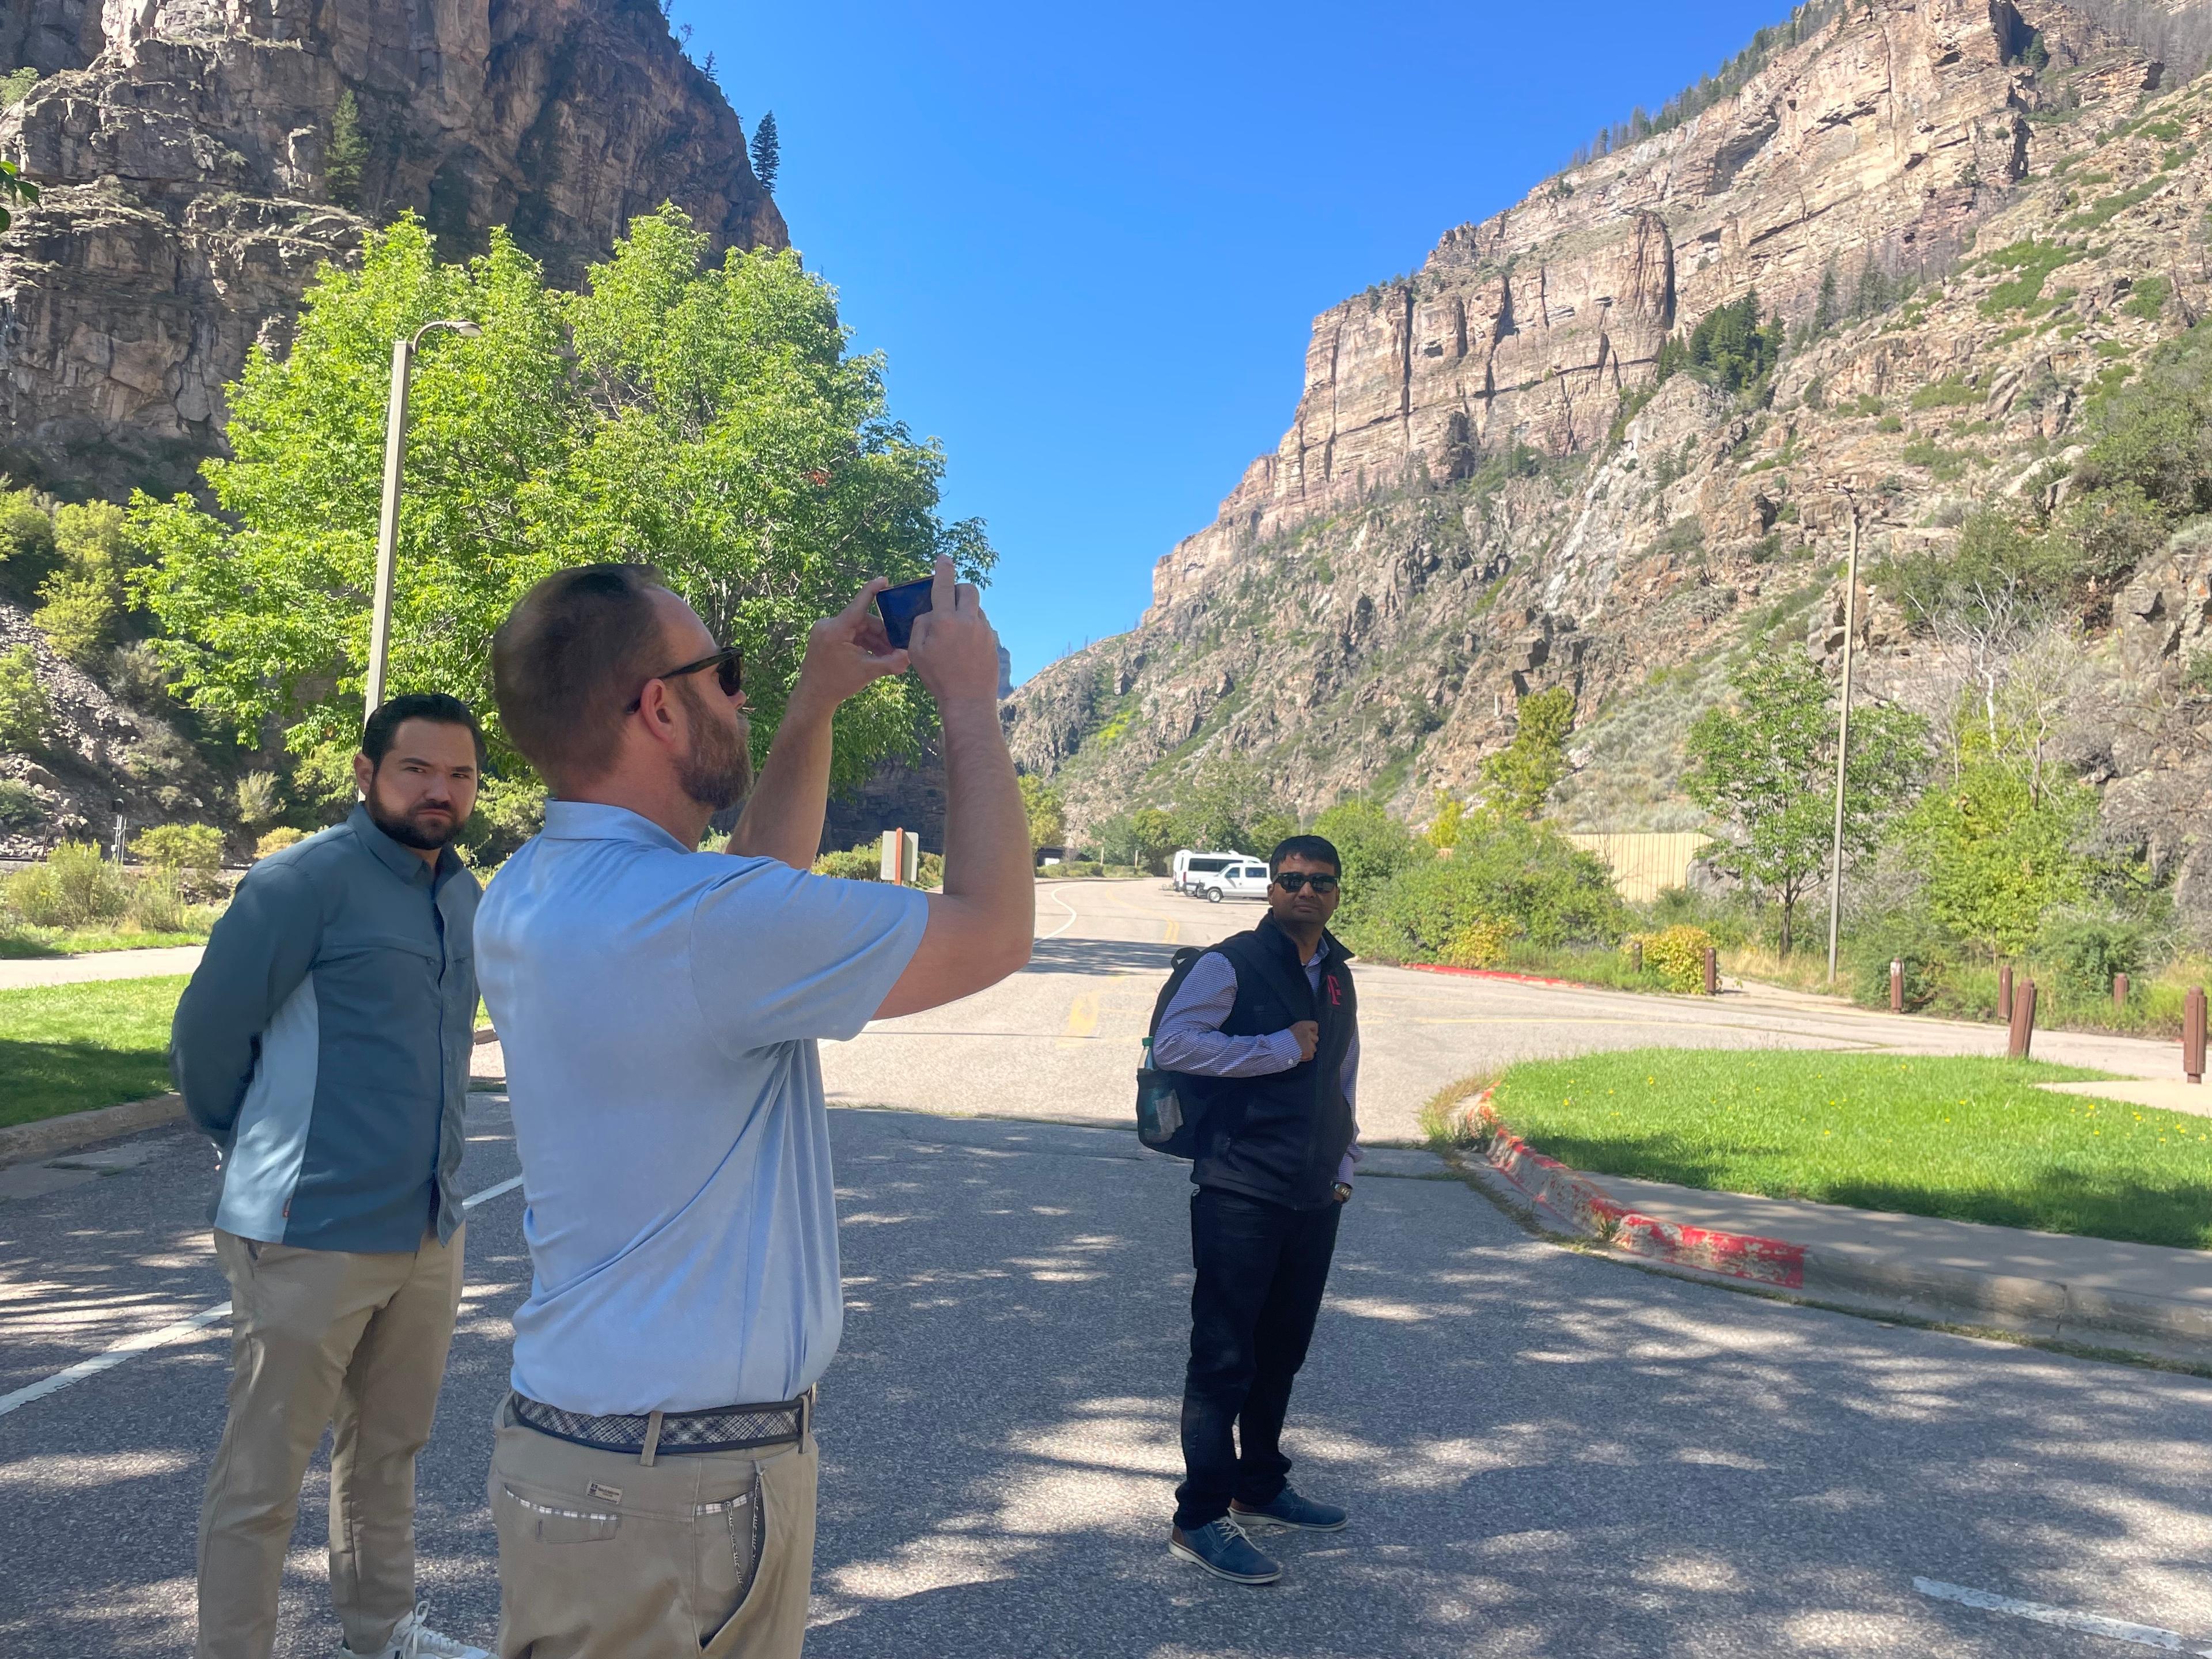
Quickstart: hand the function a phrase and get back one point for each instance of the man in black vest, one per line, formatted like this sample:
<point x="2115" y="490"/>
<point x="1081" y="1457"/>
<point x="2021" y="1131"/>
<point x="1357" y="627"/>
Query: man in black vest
<point x="1265" y="1028"/>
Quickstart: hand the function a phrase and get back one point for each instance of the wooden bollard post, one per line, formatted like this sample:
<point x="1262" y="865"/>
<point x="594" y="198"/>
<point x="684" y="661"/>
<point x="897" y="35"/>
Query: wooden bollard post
<point x="2023" y="1021"/>
<point x="2004" y="991"/>
<point x="1896" y="986"/>
<point x="2119" y="993"/>
<point x="1636" y="955"/>
<point x="1713" y="972"/>
<point x="2192" y="1035"/>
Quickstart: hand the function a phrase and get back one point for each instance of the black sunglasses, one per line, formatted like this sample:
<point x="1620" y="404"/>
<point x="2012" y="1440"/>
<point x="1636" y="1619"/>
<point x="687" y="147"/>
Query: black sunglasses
<point x="728" y="664"/>
<point x="1292" y="881"/>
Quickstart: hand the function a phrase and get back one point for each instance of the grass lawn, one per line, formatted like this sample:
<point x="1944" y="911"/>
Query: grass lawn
<point x="1967" y="1139"/>
<point x="72" y="941"/>
<point x="69" y="1047"/>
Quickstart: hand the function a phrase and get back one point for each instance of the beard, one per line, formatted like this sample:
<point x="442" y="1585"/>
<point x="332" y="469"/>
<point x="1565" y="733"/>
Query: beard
<point x="413" y="828"/>
<point x="718" y="772"/>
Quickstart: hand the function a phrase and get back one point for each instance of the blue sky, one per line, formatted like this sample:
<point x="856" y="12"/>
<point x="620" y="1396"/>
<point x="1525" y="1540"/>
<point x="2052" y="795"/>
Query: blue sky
<point x="1090" y="241"/>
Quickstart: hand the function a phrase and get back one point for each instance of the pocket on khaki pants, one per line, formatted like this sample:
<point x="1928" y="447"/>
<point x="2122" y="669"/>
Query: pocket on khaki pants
<point x="729" y="1536"/>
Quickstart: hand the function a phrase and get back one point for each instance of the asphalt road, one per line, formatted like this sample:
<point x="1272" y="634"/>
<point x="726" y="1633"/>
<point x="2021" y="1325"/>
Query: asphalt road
<point x="1062" y="1039"/>
<point x="1546" y="1453"/>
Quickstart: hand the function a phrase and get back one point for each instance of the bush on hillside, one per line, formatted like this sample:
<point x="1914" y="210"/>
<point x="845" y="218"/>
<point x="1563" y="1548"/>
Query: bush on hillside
<point x="158" y="904"/>
<point x="25" y="711"/>
<point x="2087" y="947"/>
<point x="21" y="811"/>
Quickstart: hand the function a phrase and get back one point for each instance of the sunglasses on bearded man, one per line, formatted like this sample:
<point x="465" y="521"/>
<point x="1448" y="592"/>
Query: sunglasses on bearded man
<point x="728" y="664"/>
<point x="1292" y="881"/>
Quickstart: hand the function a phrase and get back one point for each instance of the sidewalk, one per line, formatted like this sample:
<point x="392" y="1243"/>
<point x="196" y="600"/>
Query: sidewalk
<point x="16" y="972"/>
<point x="2145" y="1300"/>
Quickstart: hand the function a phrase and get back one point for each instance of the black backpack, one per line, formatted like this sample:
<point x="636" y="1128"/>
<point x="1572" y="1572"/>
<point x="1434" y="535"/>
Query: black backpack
<point x="1168" y="1109"/>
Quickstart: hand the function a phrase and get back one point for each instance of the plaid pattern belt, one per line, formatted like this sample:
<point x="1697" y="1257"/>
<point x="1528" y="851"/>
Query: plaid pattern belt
<point x="719" y="1428"/>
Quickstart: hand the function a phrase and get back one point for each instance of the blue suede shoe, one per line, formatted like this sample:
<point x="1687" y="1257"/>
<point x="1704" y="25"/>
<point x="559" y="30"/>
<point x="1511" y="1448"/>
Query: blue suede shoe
<point x="1289" y="1509"/>
<point x="1221" y="1547"/>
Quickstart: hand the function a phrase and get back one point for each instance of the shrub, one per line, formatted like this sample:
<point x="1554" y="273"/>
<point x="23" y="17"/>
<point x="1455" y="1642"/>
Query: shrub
<point x="256" y="796"/>
<point x="2087" y="948"/>
<point x="27" y="545"/>
<point x="1504" y="871"/>
<point x="137" y="675"/>
<point x="191" y="852"/>
<point x="1375" y="847"/>
<point x="20" y="808"/>
<point x="861" y="863"/>
<point x="1677" y="955"/>
<point x="1481" y="942"/>
<point x="25" y="709"/>
<point x="157" y="903"/>
<point x="277" y="840"/>
<point x="1899" y="936"/>
<point x="74" y="887"/>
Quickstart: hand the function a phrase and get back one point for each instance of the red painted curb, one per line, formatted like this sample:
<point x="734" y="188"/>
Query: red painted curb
<point x="1501" y="973"/>
<point x="1594" y="1213"/>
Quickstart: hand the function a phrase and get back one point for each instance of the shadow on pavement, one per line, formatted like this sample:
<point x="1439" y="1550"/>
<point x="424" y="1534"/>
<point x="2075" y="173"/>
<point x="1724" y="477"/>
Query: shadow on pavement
<point x="1098" y="956"/>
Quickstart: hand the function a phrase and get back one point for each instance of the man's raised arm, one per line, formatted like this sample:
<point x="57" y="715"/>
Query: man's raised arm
<point x="981" y="926"/>
<point x="783" y="815"/>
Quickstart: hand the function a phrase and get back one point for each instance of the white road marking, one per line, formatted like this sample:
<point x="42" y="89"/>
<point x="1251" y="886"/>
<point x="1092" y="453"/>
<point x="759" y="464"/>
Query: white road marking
<point x="145" y="1341"/>
<point x="1065" y="926"/>
<point x="2146" y="1636"/>
<point x="506" y="1186"/>
<point x="113" y="1357"/>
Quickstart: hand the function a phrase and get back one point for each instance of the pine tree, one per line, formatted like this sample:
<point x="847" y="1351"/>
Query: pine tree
<point x="766" y="157"/>
<point x="1827" y="311"/>
<point x="348" y="153"/>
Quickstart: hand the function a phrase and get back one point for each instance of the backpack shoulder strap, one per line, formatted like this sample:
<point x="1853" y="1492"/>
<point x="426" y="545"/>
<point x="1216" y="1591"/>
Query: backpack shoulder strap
<point x="1179" y="967"/>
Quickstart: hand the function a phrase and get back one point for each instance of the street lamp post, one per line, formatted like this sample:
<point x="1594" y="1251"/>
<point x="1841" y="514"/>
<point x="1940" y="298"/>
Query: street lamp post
<point x="387" y="529"/>
<point x="1842" y="730"/>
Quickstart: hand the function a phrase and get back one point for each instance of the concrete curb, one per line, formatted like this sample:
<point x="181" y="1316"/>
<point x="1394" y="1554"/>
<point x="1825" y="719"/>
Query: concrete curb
<point x="21" y="1143"/>
<point x="1548" y="1196"/>
<point x="24" y="1142"/>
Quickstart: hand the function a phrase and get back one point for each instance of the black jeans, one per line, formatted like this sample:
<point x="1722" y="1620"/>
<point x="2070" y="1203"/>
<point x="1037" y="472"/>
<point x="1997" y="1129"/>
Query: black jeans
<point x="1260" y="1270"/>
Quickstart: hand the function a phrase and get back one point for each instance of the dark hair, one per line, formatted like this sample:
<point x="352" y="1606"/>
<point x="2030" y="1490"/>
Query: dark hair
<point x="566" y="658"/>
<point x="1303" y="847"/>
<point x="382" y="727"/>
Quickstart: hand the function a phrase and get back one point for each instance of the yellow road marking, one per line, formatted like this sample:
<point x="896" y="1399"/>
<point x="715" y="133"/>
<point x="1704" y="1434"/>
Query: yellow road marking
<point x="1170" y="933"/>
<point x="1082" y="1018"/>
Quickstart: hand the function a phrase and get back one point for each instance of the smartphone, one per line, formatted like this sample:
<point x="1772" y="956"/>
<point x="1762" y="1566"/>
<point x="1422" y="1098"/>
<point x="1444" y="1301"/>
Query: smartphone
<point x="898" y="607"/>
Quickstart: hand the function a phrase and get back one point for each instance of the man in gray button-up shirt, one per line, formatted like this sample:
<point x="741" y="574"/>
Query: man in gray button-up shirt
<point x="323" y="1045"/>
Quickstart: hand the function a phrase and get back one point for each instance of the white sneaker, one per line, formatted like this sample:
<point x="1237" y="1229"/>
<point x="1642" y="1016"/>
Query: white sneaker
<point x="414" y="1639"/>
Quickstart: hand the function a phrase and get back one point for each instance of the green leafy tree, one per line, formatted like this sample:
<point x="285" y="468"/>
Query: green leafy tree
<point x="1042" y="806"/>
<point x="1520" y="776"/>
<point x="85" y="596"/>
<point x="347" y="156"/>
<point x="26" y="710"/>
<point x="768" y="152"/>
<point x="703" y="415"/>
<point x="1375" y="849"/>
<point x="1998" y="853"/>
<point x="1766" y="767"/>
<point x="1227" y="806"/>
<point x="1445" y="828"/>
<point x="27" y="545"/>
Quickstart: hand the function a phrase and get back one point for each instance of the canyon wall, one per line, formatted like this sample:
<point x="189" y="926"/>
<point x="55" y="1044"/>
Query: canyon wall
<point x="180" y="148"/>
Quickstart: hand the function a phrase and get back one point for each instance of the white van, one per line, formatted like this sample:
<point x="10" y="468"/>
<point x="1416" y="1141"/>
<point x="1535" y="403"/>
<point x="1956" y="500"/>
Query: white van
<point x="1244" y="878"/>
<point x="1192" y="868"/>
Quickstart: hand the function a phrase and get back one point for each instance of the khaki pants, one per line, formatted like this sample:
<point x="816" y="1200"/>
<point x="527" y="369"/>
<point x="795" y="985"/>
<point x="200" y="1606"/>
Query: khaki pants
<point x="604" y="1556"/>
<point x="318" y="1337"/>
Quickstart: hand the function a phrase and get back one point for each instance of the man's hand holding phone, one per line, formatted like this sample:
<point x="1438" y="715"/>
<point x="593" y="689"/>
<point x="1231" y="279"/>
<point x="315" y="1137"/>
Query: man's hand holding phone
<point x="952" y="647"/>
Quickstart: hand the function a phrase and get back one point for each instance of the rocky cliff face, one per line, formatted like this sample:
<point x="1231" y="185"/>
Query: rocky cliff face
<point x="1479" y="495"/>
<point x="180" y="145"/>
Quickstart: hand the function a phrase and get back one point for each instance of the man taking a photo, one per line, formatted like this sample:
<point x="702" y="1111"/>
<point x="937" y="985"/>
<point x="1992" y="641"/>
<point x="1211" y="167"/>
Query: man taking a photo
<point x="652" y="1478"/>
<point x="1266" y="1027"/>
<point x="324" y="1043"/>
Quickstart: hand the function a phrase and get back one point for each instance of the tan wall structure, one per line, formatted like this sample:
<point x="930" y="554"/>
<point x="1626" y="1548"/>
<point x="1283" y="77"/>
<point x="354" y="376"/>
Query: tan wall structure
<point x="1643" y="860"/>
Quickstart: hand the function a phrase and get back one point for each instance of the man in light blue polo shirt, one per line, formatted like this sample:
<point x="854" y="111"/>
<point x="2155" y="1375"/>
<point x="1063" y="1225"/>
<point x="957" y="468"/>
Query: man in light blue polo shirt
<point x="653" y="1480"/>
